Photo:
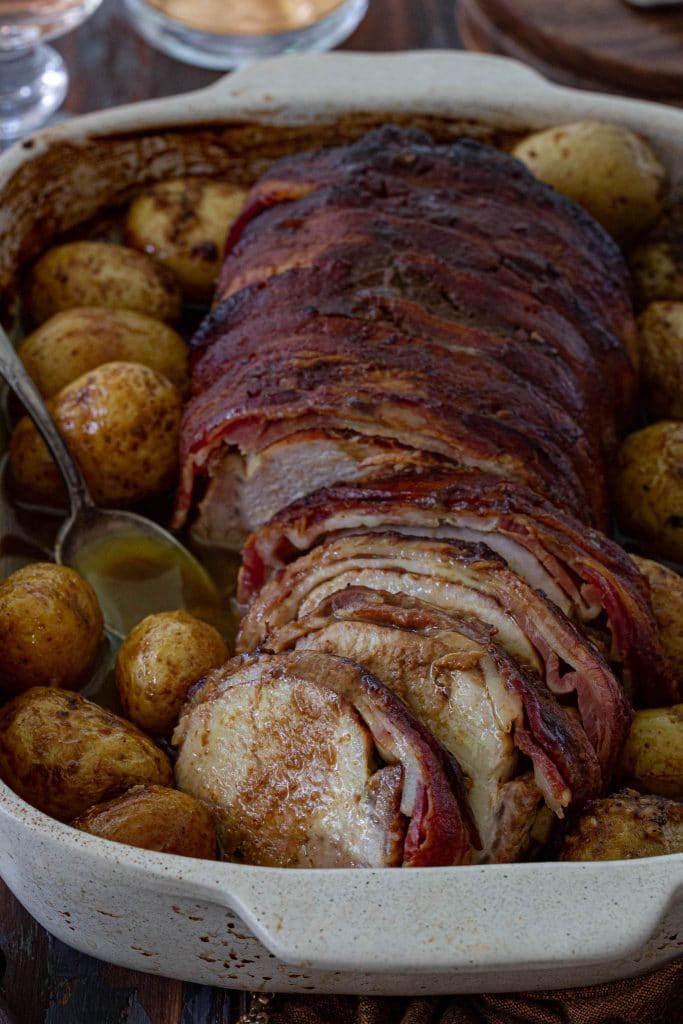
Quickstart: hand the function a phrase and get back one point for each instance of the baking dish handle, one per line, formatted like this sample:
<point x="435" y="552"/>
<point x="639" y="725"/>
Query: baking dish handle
<point x="454" y="918"/>
<point x="308" y="82"/>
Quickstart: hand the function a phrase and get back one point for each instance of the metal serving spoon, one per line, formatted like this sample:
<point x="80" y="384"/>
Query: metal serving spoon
<point x="133" y="564"/>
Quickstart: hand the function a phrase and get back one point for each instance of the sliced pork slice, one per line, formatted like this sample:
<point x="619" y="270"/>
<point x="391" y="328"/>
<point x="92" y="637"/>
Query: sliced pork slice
<point x="464" y="579"/>
<point x="306" y="760"/>
<point x="245" y="492"/>
<point x="472" y="696"/>
<point x="590" y="578"/>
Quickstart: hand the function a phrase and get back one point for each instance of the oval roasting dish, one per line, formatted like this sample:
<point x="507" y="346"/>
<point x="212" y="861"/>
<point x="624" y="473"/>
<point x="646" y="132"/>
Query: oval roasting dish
<point x="438" y="930"/>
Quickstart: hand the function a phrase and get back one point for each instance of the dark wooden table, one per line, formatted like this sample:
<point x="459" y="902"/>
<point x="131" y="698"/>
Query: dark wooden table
<point x="45" y="981"/>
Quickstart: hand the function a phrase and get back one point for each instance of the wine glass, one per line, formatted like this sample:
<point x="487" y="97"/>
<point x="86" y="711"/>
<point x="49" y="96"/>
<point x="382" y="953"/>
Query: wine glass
<point x="33" y="77"/>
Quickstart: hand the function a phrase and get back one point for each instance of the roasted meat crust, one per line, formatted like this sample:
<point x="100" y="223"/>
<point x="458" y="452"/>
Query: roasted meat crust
<point x="361" y="377"/>
<point x="590" y="577"/>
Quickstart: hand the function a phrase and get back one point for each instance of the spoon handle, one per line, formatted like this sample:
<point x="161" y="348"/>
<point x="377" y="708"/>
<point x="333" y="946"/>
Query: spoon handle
<point x="12" y="369"/>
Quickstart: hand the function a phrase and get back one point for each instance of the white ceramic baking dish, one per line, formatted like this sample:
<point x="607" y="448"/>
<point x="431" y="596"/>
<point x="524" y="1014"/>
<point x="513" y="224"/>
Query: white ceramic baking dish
<point x="439" y="930"/>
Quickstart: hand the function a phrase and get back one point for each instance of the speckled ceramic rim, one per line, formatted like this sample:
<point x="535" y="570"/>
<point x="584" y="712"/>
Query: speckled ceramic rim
<point x="484" y="919"/>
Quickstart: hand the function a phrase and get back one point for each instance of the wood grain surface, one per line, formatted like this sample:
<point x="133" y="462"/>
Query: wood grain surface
<point x="604" y="44"/>
<point x="46" y="982"/>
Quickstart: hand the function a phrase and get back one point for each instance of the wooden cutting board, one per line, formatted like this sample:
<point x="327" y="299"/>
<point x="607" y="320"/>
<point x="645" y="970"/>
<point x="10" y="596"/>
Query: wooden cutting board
<point x="599" y="44"/>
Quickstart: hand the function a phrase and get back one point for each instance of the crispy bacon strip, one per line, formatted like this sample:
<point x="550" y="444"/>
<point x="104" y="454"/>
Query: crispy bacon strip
<point x="588" y="576"/>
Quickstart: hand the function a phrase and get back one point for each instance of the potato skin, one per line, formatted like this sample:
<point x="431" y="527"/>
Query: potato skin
<point x="162" y="657"/>
<point x="153" y="818"/>
<point x="184" y="223"/>
<point x="605" y="167"/>
<point x="666" y="598"/>
<point x="77" y="340"/>
<point x="100" y="274"/>
<point x="660" y="339"/>
<point x="648" y="488"/>
<point x="652" y="759"/>
<point x="62" y="753"/>
<point x="657" y="259"/>
<point x="121" y="422"/>
<point x="625" y="825"/>
<point x="50" y="628"/>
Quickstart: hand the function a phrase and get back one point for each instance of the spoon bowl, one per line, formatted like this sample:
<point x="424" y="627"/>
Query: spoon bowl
<point x="135" y="566"/>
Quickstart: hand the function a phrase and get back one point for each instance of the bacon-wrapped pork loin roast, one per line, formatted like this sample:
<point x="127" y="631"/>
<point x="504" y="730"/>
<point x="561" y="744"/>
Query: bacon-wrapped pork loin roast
<point x="416" y="369"/>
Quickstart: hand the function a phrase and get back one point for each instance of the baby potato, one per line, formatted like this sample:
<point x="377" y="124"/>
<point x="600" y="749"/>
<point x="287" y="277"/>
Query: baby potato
<point x="100" y="274"/>
<point x="652" y="759"/>
<point x="184" y="224"/>
<point x="657" y="260"/>
<point x="626" y="826"/>
<point x="50" y="628"/>
<point x="605" y="167"/>
<point x="154" y="818"/>
<point x="666" y="597"/>
<point x="121" y="422"/>
<point x="160" y="660"/>
<point x="648" y="488"/>
<point x="660" y="338"/>
<point x="62" y="753"/>
<point x="77" y="340"/>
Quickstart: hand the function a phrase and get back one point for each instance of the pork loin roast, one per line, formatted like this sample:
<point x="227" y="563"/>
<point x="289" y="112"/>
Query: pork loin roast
<point x="417" y="367"/>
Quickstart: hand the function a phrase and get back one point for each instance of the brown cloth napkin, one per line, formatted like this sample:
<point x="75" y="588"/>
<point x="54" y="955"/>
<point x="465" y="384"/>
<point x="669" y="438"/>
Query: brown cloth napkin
<point x="650" y="999"/>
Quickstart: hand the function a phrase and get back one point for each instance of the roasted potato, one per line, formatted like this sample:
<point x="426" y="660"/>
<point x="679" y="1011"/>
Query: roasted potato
<point x="121" y="422"/>
<point x="660" y="336"/>
<point x="63" y="753"/>
<point x="157" y="664"/>
<point x="652" y="760"/>
<point x="648" y="488"/>
<point x="184" y="224"/>
<point x="100" y="274"/>
<point x="625" y="826"/>
<point x="657" y="259"/>
<point x="666" y="595"/>
<point x="153" y="818"/>
<point x="50" y="628"/>
<point x="605" y="167"/>
<point x="77" y="340"/>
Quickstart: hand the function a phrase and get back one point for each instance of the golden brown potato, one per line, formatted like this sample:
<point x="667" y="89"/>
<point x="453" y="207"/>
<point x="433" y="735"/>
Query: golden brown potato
<point x="100" y="274"/>
<point x="625" y="826"/>
<point x="50" y="628"/>
<point x="121" y="422"/>
<point x="648" y="488"/>
<point x="157" y="664"/>
<point x="63" y="753"/>
<point x="666" y="596"/>
<point x="657" y="259"/>
<point x="154" y="818"/>
<point x="184" y="224"/>
<point x="611" y="171"/>
<point x="77" y="340"/>
<point x="652" y="760"/>
<point x="660" y="336"/>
